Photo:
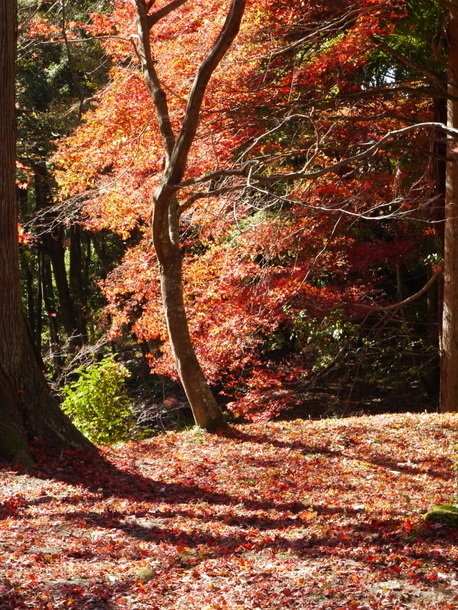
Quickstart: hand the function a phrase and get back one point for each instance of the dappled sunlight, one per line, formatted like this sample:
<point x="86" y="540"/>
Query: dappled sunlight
<point x="297" y="514"/>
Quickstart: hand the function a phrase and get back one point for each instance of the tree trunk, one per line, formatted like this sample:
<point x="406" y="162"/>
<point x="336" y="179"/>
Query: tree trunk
<point x="27" y="409"/>
<point x="436" y="175"/>
<point x="46" y="286"/>
<point x="206" y="411"/>
<point x="77" y="283"/>
<point x="52" y="245"/>
<point x="449" y="339"/>
<point x="166" y="213"/>
<point x="33" y="311"/>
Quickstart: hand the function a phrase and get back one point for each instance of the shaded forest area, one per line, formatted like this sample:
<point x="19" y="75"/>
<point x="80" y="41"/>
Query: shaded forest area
<point x="311" y="210"/>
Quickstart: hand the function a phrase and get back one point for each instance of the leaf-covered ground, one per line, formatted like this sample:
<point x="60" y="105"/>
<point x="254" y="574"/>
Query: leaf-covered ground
<point x="300" y="514"/>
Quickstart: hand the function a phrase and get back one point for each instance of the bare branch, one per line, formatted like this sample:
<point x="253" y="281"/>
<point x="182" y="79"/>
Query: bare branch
<point x="247" y="170"/>
<point x="188" y="130"/>
<point x="330" y="27"/>
<point x="375" y="213"/>
<point x="405" y="302"/>
<point x="208" y="194"/>
<point x="162" y="12"/>
<point x="65" y="213"/>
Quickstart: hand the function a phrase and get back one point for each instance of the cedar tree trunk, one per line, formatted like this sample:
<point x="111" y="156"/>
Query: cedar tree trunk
<point x="27" y="409"/>
<point x="449" y="339"/>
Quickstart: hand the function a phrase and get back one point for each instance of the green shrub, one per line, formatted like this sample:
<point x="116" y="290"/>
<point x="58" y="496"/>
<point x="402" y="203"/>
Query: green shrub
<point x="98" y="402"/>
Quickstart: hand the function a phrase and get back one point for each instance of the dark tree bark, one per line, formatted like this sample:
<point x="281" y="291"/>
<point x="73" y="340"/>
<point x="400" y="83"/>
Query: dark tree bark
<point x="51" y="244"/>
<point x="436" y="173"/>
<point x="78" y="280"/>
<point x="27" y="409"/>
<point x="33" y="305"/>
<point x="449" y="338"/>
<point x="167" y="210"/>
<point x="47" y="295"/>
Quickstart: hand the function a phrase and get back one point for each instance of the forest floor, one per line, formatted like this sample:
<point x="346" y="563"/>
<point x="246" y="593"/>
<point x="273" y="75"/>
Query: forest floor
<point x="298" y="514"/>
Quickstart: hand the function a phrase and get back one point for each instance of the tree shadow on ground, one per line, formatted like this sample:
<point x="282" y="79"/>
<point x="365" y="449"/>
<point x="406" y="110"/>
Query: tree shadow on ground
<point x="98" y="475"/>
<point x="437" y="468"/>
<point x="250" y="534"/>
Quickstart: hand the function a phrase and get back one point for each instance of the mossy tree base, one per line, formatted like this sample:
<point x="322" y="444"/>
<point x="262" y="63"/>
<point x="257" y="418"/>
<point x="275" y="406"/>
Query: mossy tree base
<point x="28" y="411"/>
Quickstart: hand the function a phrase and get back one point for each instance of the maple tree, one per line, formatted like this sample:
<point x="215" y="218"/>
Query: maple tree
<point x="165" y="237"/>
<point x="28" y="410"/>
<point x="166" y="207"/>
<point x="122" y="214"/>
<point x="316" y="193"/>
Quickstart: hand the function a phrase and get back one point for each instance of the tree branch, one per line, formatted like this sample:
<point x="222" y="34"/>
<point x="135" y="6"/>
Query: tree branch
<point x="247" y="169"/>
<point x="207" y="67"/>
<point x="330" y="27"/>
<point x="152" y="79"/>
<point x="411" y="64"/>
<point x="405" y="302"/>
<point x="203" y="195"/>
<point x="162" y="12"/>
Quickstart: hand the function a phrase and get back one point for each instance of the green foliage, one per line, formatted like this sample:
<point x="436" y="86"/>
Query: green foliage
<point x="446" y="514"/>
<point x="322" y="339"/>
<point x="326" y="338"/>
<point x="418" y="38"/>
<point x="98" y="402"/>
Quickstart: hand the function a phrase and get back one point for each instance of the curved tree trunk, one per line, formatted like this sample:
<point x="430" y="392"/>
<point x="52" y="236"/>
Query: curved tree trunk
<point x="27" y="409"/>
<point x="167" y="210"/>
<point x="206" y="411"/>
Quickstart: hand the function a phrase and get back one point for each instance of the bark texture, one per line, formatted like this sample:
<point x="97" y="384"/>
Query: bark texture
<point x="166" y="214"/>
<point x="449" y="339"/>
<point x="27" y="409"/>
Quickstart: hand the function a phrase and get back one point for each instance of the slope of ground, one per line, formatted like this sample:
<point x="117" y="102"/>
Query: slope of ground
<point x="299" y="514"/>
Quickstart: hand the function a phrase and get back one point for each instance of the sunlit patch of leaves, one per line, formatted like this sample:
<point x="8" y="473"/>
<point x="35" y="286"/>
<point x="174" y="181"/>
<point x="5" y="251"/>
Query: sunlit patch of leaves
<point x="296" y="514"/>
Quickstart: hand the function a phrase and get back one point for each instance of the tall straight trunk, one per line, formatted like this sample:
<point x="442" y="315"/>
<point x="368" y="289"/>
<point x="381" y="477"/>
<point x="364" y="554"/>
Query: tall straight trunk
<point x="66" y="310"/>
<point x="27" y="409"/>
<point x="55" y="347"/>
<point x="449" y="339"/>
<point x="77" y="283"/>
<point x="97" y="242"/>
<point x="52" y="245"/>
<point x="436" y="175"/>
<point x="31" y="298"/>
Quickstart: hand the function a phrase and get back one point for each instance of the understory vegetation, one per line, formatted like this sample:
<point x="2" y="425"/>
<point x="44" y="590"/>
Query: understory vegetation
<point x="312" y="203"/>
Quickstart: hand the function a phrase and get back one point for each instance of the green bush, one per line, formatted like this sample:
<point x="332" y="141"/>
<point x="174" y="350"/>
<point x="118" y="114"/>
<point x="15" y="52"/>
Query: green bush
<point x="98" y="402"/>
